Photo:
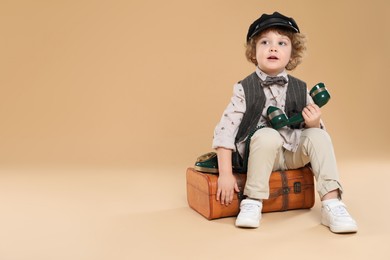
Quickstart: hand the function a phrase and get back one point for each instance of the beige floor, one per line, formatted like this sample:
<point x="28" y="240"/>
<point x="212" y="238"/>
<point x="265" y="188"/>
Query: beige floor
<point x="85" y="213"/>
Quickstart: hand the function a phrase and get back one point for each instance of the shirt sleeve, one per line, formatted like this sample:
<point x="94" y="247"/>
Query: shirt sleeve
<point x="226" y="130"/>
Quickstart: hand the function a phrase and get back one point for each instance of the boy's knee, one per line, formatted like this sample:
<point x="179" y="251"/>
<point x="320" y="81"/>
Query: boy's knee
<point x="317" y="135"/>
<point x="267" y="138"/>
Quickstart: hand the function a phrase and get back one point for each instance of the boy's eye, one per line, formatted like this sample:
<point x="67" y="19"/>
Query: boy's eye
<point x="282" y="43"/>
<point x="264" y="42"/>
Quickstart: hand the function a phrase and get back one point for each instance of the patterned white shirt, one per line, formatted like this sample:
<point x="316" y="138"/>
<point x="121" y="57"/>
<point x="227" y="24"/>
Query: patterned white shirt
<point x="226" y="130"/>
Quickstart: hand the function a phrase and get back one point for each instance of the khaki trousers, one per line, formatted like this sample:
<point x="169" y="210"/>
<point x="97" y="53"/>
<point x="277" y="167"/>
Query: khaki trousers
<point x="267" y="154"/>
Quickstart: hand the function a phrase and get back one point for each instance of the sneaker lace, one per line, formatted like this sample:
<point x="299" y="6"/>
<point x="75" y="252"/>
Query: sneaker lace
<point x="249" y="208"/>
<point x="340" y="211"/>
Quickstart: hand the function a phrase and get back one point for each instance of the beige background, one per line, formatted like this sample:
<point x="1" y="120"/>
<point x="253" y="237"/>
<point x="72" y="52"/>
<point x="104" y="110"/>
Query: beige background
<point x="104" y="104"/>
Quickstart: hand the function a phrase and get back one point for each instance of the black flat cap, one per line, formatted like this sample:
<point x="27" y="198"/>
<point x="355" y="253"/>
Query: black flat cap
<point x="270" y="20"/>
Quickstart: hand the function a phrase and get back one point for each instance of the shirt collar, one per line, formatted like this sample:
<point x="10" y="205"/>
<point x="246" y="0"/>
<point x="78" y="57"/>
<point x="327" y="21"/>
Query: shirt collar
<point x="262" y="75"/>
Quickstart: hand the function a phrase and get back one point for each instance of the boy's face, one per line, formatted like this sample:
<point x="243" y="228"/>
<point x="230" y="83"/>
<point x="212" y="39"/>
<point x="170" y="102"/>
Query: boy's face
<point x="273" y="52"/>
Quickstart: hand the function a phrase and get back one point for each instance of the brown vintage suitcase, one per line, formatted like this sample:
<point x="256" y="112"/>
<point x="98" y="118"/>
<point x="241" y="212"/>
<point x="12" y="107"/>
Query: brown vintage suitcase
<point x="291" y="189"/>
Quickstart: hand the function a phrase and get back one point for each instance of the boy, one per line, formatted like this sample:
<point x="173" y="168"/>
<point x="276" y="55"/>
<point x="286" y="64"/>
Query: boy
<point x="274" y="45"/>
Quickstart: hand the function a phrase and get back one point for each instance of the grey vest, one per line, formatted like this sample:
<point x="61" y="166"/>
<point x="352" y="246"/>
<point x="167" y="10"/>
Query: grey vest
<point x="255" y="102"/>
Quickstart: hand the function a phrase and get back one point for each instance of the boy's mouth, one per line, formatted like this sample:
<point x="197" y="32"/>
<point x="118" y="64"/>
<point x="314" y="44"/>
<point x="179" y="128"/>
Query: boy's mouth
<point x="272" y="58"/>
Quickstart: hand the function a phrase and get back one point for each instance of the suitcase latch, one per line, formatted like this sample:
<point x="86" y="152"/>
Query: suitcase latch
<point x="297" y="187"/>
<point x="286" y="190"/>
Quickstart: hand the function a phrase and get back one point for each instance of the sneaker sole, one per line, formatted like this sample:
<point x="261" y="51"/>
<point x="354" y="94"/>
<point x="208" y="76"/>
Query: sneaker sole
<point x="247" y="224"/>
<point x="340" y="230"/>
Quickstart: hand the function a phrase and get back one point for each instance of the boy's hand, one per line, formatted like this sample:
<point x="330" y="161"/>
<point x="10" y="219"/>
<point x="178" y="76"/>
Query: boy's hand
<point x="227" y="184"/>
<point x="312" y="115"/>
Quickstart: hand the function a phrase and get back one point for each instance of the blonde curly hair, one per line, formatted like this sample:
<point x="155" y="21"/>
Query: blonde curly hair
<point x="298" y="44"/>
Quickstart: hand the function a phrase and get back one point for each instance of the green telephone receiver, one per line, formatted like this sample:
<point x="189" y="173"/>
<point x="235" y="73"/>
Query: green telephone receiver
<point x="278" y="118"/>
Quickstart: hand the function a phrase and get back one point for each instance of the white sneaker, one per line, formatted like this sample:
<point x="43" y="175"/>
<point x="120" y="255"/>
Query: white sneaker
<point x="336" y="217"/>
<point x="250" y="213"/>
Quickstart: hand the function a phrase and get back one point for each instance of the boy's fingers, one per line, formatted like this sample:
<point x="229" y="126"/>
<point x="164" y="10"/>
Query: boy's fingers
<point x="236" y="188"/>
<point x="231" y="197"/>
<point x="223" y="197"/>
<point x="226" y="197"/>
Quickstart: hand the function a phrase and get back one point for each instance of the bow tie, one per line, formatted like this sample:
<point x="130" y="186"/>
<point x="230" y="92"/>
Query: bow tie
<point x="274" y="80"/>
